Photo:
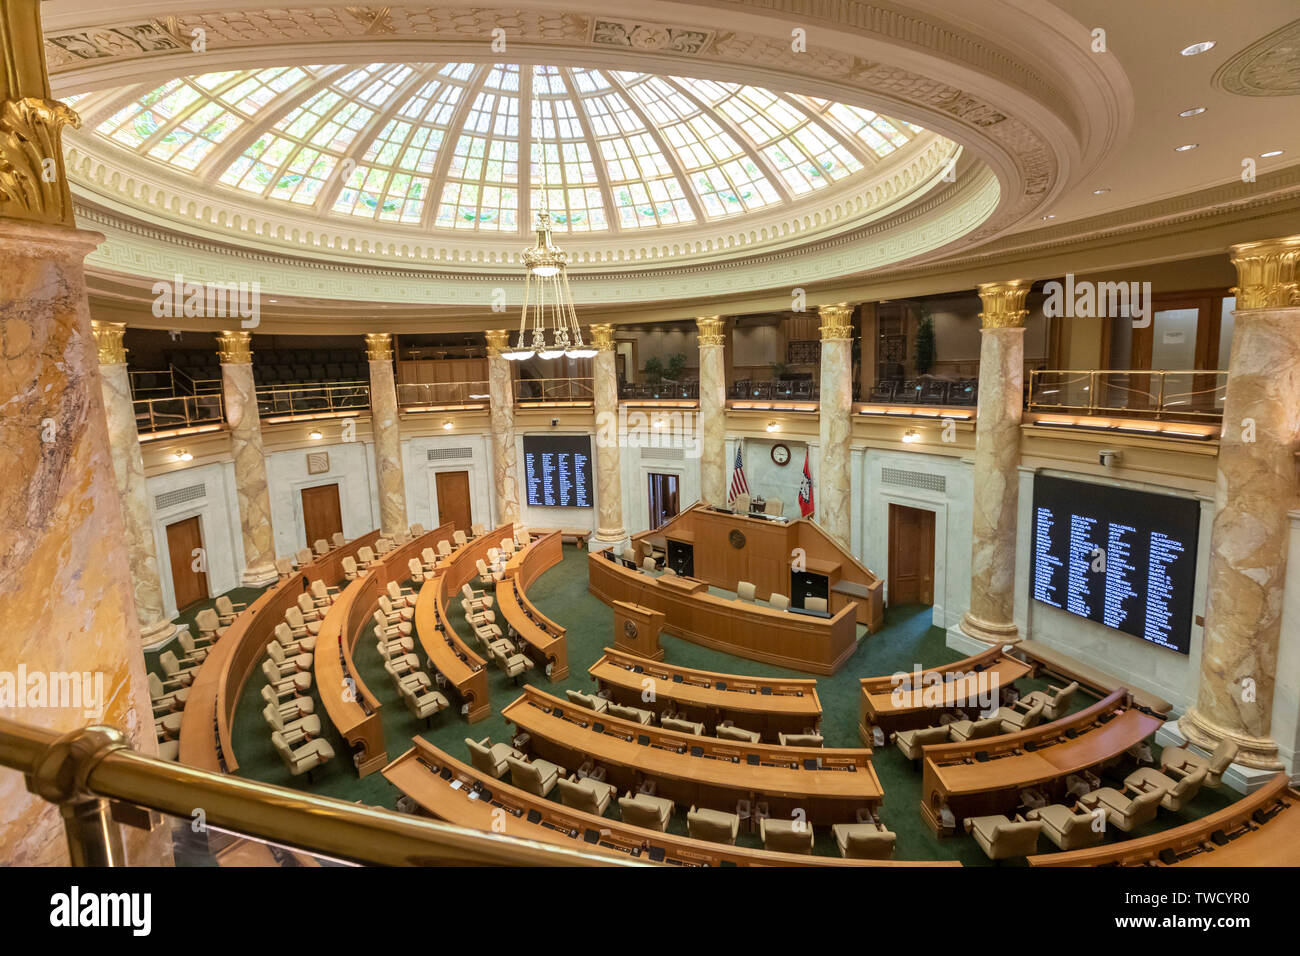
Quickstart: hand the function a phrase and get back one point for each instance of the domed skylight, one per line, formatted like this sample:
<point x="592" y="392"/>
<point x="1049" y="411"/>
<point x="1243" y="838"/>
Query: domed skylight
<point x="439" y="146"/>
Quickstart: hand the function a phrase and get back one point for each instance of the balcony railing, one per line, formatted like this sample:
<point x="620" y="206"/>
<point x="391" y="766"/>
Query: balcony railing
<point x="924" y="391"/>
<point x="793" y="390"/>
<point x="176" y="412"/>
<point x="540" y="391"/>
<point x="1166" y="395"/>
<point x="306" y="401"/>
<point x="659" y="391"/>
<point x="441" y="394"/>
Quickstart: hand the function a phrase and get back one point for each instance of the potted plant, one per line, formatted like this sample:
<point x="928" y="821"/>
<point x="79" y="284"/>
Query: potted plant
<point x="675" y="368"/>
<point x="654" y="370"/>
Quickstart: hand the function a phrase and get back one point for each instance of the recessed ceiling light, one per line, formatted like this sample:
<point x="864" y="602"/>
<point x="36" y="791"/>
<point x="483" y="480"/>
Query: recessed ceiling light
<point x="1196" y="48"/>
<point x="1271" y="153"/>
<point x="1102" y="191"/>
<point x="1185" y="147"/>
<point x="1049" y="216"/>
<point x="1194" y="111"/>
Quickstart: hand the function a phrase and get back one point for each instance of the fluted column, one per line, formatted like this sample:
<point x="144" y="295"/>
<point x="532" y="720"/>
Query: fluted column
<point x="240" y="396"/>
<point x="66" y="603"/>
<point x="834" y="498"/>
<point x="388" y="438"/>
<point x="1256" y="487"/>
<point x="609" y="483"/>
<point x="128" y="468"/>
<point x="713" y="411"/>
<point x="505" y="460"/>
<point x="997" y="458"/>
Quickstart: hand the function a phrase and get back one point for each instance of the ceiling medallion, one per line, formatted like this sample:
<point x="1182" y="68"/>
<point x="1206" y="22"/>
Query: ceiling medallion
<point x="1268" y="67"/>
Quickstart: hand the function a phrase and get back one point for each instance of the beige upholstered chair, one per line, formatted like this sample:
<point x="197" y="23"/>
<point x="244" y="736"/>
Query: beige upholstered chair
<point x="337" y="539"/>
<point x="745" y="591"/>
<point x="509" y="660"/>
<point x="284" y="637"/>
<point x="1184" y="760"/>
<point x="303" y="558"/>
<point x="778" y="601"/>
<point x="590" y="701"/>
<point x="479" y="600"/>
<point x="586" y="794"/>
<point x="630" y="555"/>
<point x="683" y="726"/>
<point x="285" y="686"/>
<point x="644" y="810"/>
<point x="299" y="624"/>
<point x="741" y="504"/>
<point x="307" y="605"/>
<point x="774" y="506"/>
<point x="350" y="571"/>
<point x="416" y="570"/>
<point x="284" y="567"/>
<point x="912" y="742"/>
<point x="1068" y="829"/>
<point x="209" y="624"/>
<point x="400" y="596"/>
<point x="478" y="617"/>
<point x="306" y="758"/>
<point x="975" y="729"/>
<point x="176" y="670"/>
<point x="384" y="545"/>
<point x="391" y="643"/>
<point x="290" y="709"/>
<point x="486" y="576"/>
<point x="631" y="713"/>
<point x="786" y="836"/>
<point x="459" y="538"/>
<point x="1057" y="702"/>
<point x="1001" y="838"/>
<point x="864" y="841"/>
<point x="366" y="556"/>
<point x="649" y="566"/>
<point x="801" y="740"/>
<point x="295" y="731"/>
<point x="287" y="663"/>
<point x="169" y="749"/>
<point x="490" y="758"/>
<point x="1125" y="812"/>
<point x="417" y="531"/>
<point x="423" y="702"/>
<point x="1020" y="716"/>
<point x="322" y="593"/>
<point x="192" y="651"/>
<point x="227" y="609"/>
<point x="162" y="699"/>
<point x="814" y="604"/>
<point x="429" y="559"/>
<point x="444" y="549"/>
<point x="394" y="611"/>
<point x="716" y="826"/>
<point x="321" y="547"/>
<point x="477" y="530"/>
<point x="729" y="731"/>
<point x="536" y="776"/>
<point x="1179" y="790"/>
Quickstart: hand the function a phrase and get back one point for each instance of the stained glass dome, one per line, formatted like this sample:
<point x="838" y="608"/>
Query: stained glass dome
<point x="479" y="147"/>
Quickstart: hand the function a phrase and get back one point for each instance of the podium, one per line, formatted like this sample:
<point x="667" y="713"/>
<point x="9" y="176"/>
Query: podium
<point x="636" y="630"/>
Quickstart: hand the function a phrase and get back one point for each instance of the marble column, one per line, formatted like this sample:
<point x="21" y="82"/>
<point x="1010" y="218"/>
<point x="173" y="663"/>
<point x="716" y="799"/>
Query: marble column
<point x="128" y="467"/>
<point x="997" y="458"/>
<point x="501" y="397"/>
<point x="385" y="423"/>
<point x="713" y="411"/>
<point x="1256" y="487"/>
<point x="240" y="396"/>
<point x="66" y="605"/>
<point x="835" y="492"/>
<point x="609" y="482"/>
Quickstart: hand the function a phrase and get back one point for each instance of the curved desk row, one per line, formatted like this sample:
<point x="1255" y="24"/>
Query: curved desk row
<point x="352" y="707"/>
<point x="1262" y="829"/>
<point x="544" y="640"/>
<point x="919" y="698"/>
<point x="818" y="645"/>
<point x="771" y="706"/>
<point x="209" y="715"/>
<point x="457" y="793"/>
<point x="979" y="777"/>
<point x="827" y="785"/>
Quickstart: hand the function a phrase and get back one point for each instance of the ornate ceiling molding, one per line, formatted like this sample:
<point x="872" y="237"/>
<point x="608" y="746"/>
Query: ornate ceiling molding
<point x="1268" y="67"/>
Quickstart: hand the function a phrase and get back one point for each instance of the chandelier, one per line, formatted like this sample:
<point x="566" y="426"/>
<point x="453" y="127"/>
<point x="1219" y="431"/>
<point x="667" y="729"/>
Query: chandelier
<point x="548" y="303"/>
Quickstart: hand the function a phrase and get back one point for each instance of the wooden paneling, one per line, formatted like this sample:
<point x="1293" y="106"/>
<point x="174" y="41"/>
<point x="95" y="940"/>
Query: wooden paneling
<point x="426" y="371"/>
<point x="183" y="539"/>
<point x="322" y="517"/>
<point x="453" y="498"/>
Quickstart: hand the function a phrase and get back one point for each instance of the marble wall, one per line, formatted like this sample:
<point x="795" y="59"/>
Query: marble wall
<point x="218" y="514"/>
<point x="421" y="480"/>
<point x="287" y="476"/>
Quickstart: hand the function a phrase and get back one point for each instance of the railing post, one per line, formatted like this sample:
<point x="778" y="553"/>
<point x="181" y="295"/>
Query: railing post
<point x="94" y="839"/>
<point x="1160" y="397"/>
<point x="1092" y="391"/>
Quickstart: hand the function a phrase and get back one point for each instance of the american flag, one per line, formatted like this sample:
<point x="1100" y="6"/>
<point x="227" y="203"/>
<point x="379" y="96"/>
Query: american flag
<point x="738" y="484"/>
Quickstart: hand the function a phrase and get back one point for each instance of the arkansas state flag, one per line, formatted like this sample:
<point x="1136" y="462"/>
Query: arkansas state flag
<point x="806" y="507"/>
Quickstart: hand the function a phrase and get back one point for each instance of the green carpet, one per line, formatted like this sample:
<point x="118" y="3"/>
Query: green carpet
<point x="907" y="639"/>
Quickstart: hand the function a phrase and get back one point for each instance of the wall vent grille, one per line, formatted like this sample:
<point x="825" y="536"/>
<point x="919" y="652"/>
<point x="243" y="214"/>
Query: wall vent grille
<point x="443" y="454"/>
<point x="913" y="479"/>
<point x="663" y="454"/>
<point x="170" y="499"/>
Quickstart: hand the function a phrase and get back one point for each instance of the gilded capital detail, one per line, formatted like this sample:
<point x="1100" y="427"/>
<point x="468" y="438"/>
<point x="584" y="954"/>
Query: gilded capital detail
<point x="233" y="348"/>
<point x="108" y="341"/>
<point x="1267" y="277"/>
<point x="379" y="347"/>
<point x="1004" y="304"/>
<point x="498" y="340"/>
<point x="710" y="330"/>
<point x="602" y="338"/>
<point x="837" y="321"/>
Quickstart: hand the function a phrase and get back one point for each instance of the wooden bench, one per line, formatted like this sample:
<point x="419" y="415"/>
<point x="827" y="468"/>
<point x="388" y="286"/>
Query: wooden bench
<point x="1062" y="665"/>
<point x="579" y="536"/>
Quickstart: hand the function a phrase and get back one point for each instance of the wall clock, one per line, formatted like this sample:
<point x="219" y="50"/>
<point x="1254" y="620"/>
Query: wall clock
<point x="781" y="454"/>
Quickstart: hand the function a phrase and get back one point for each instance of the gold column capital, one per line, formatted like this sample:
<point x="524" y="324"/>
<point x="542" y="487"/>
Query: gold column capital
<point x="837" y="321"/>
<point x="602" y="337"/>
<point x="108" y="340"/>
<point x="1004" y="304"/>
<point x="712" y="330"/>
<point x="498" y="341"/>
<point x="233" y="348"/>
<point x="379" y="346"/>
<point x="1267" y="274"/>
<point x="33" y="186"/>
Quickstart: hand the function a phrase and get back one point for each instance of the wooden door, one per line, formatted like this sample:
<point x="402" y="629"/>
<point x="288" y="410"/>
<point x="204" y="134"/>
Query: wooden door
<point x="453" y="498"/>
<point x="911" y="555"/>
<point x="188" y="562"/>
<point x="321" y="514"/>
<point x="663" y="498"/>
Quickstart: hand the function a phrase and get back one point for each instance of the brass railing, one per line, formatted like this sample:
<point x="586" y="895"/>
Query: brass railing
<point x="1195" y="394"/>
<point x="327" y="398"/>
<point x="437" y="394"/>
<point x="98" y="781"/>
<point x="178" y="411"/>
<point x="542" y="390"/>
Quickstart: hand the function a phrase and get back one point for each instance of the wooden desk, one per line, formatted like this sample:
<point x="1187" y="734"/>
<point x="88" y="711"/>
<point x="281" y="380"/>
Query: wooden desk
<point x="352" y="707"/>
<point x="702" y="771"/>
<point x="921" y="703"/>
<point x="1058" y="663"/>
<point x="206" y="739"/>
<point x="817" y="645"/>
<point x="729" y="548"/>
<point x="457" y="793"/>
<point x="544" y="640"/>
<point x="770" y="707"/>
<point x="1274" y="842"/>
<point x="1039" y="757"/>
